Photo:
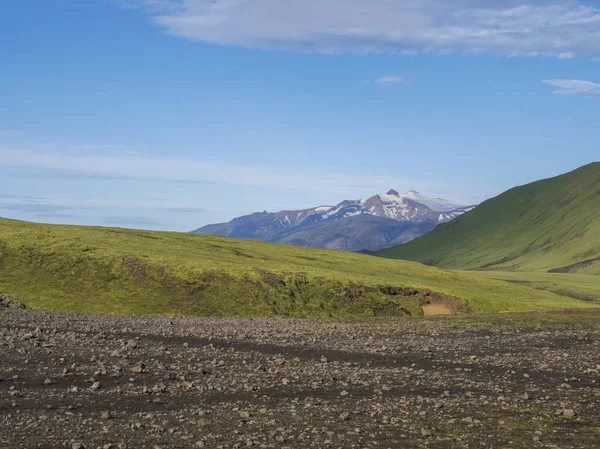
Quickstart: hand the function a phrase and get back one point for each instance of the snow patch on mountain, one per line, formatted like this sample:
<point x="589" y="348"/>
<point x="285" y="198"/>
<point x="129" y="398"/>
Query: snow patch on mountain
<point x="411" y="206"/>
<point x="435" y="204"/>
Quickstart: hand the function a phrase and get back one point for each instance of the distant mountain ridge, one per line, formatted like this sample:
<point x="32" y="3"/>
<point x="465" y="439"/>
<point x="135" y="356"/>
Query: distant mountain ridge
<point x="374" y="223"/>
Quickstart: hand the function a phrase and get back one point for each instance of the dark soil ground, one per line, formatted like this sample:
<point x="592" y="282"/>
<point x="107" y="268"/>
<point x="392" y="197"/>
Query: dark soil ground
<point x="494" y="381"/>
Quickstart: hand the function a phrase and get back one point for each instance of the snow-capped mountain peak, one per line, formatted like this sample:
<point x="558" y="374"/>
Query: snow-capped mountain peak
<point x="411" y="207"/>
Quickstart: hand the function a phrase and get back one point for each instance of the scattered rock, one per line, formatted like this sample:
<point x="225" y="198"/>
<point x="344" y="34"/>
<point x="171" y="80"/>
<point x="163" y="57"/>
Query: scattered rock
<point x="426" y="432"/>
<point x="241" y="385"/>
<point x="568" y="413"/>
<point x="8" y="302"/>
<point x="139" y="367"/>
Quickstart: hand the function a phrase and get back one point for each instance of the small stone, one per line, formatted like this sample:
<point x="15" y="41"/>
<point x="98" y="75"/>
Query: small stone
<point x="107" y="415"/>
<point x="345" y="416"/>
<point x="139" y="367"/>
<point x="344" y="393"/>
<point x="244" y="415"/>
<point x="95" y="386"/>
<point x="426" y="432"/>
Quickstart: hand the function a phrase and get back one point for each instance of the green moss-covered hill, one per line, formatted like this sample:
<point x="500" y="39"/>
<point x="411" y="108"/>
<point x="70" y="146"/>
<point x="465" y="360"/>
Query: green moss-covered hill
<point x="549" y="225"/>
<point x="117" y="271"/>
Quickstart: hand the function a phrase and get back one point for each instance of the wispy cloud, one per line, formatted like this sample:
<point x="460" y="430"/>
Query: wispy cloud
<point x="69" y="165"/>
<point x="575" y="87"/>
<point x="182" y="210"/>
<point x="68" y="217"/>
<point x="64" y="205"/>
<point x="83" y="175"/>
<point x="37" y="208"/>
<point x="103" y="148"/>
<point x="70" y="175"/>
<point x="20" y="197"/>
<point x="559" y="28"/>
<point x="129" y="221"/>
<point x="391" y="80"/>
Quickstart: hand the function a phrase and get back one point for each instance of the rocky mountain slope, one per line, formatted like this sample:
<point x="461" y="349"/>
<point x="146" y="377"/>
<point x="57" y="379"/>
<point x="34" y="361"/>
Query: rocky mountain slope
<point x="374" y="223"/>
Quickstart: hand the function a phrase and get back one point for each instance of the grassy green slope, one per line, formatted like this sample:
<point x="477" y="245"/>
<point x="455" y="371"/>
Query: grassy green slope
<point x="104" y="270"/>
<point x="540" y="226"/>
<point x="579" y="286"/>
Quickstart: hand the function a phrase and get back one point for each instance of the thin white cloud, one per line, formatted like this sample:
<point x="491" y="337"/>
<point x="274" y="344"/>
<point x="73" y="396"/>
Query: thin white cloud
<point x="559" y="28"/>
<point x="52" y="164"/>
<point x="102" y="147"/>
<point x="575" y="87"/>
<point x="71" y="202"/>
<point x="391" y="80"/>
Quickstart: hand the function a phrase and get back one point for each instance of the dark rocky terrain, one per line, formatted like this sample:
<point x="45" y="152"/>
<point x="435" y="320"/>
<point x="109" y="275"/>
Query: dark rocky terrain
<point x="496" y="381"/>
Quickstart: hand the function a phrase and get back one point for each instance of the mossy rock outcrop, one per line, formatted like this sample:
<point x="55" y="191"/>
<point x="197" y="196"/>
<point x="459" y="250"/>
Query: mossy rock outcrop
<point x="8" y="302"/>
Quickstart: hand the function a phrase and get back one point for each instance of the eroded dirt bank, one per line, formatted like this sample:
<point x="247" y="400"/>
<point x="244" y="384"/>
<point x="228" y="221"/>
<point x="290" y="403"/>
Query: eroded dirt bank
<point x="513" y="381"/>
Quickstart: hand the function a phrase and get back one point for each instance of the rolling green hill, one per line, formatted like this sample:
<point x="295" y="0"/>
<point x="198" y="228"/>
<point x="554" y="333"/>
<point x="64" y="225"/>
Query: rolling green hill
<point x="549" y="225"/>
<point x="118" y="271"/>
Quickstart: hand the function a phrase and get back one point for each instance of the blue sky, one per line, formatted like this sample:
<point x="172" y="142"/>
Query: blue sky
<point x="172" y="114"/>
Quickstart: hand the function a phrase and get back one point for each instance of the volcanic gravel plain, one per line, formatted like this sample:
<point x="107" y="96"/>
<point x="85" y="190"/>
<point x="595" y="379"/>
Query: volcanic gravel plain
<point x="487" y="381"/>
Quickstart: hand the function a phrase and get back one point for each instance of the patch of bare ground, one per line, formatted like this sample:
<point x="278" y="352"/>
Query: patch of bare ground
<point x="501" y="381"/>
<point x="437" y="309"/>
